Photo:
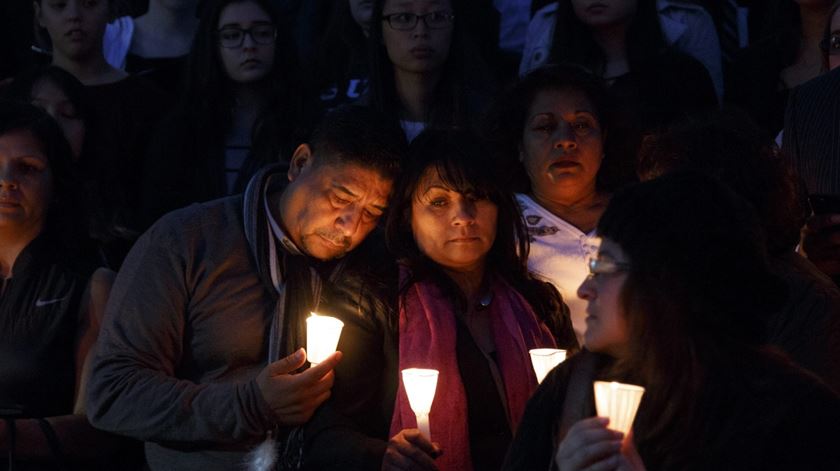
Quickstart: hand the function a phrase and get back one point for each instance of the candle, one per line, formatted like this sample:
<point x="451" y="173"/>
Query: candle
<point x="544" y="359"/>
<point x="619" y="402"/>
<point x="420" y="385"/>
<point x="322" y="333"/>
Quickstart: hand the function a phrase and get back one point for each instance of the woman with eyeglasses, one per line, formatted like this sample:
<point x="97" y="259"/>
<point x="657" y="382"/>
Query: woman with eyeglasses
<point x="235" y="114"/>
<point x="676" y="298"/>
<point x="830" y="44"/>
<point x="424" y="71"/>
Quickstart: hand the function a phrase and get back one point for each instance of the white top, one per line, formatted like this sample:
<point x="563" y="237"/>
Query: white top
<point x="513" y="23"/>
<point x="117" y="41"/>
<point x="559" y="254"/>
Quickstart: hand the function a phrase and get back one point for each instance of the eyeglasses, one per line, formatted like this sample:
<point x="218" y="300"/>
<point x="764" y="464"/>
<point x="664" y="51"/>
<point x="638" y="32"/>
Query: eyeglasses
<point x="408" y="21"/>
<point x="605" y="266"/>
<point x="232" y="37"/>
<point x="831" y="45"/>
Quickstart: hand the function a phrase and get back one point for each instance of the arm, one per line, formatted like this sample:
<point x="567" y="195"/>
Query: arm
<point x="135" y="389"/>
<point x="77" y="439"/>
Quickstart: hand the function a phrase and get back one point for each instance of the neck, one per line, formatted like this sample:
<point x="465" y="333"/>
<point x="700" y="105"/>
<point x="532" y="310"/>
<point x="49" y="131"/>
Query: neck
<point x="468" y="280"/>
<point x="164" y="32"/>
<point x="93" y="70"/>
<point x="582" y="210"/>
<point x="415" y="92"/>
<point x="613" y="42"/>
<point x="248" y="101"/>
<point x="10" y="248"/>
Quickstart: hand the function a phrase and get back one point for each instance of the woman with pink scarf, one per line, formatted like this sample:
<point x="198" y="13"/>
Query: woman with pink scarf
<point x="467" y="307"/>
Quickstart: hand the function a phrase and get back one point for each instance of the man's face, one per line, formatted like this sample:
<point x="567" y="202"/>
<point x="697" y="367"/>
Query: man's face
<point x="329" y="208"/>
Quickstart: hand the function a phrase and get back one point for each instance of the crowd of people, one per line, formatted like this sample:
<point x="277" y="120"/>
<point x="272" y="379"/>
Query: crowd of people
<point x="652" y="186"/>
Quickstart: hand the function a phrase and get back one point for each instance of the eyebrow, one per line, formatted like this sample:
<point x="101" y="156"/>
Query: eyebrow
<point x="237" y="24"/>
<point x="344" y="189"/>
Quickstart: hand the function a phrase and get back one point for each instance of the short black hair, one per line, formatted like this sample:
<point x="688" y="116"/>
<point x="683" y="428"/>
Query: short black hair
<point x="359" y="135"/>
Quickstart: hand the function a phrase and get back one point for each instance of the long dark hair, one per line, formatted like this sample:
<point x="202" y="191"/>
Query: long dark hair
<point x="573" y="40"/>
<point x="458" y="156"/>
<point x="505" y="123"/>
<point x="343" y="41"/>
<point x="65" y="223"/>
<point x="695" y="298"/>
<point x="460" y="71"/>
<point x="207" y="96"/>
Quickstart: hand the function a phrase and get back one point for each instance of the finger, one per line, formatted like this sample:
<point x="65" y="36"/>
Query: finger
<point x="393" y="460"/>
<point x="288" y="364"/>
<point x="422" y="442"/>
<point x="608" y="464"/>
<point x="819" y="222"/>
<point x="595" y="452"/>
<point x="418" y="458"/>
<point x="316" y="372"/>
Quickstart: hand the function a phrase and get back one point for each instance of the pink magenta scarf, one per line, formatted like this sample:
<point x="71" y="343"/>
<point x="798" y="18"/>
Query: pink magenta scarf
<point x="427" y="332"/>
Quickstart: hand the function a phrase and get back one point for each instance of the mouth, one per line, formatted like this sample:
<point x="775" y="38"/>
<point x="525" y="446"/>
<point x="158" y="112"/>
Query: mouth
<point x="422" y="52"/>
<point x="563" y="164"/>
<point x="75" y="34"/>
<point x="338" y="243"/>
<point x="249" y="63"/>
<point x="464" y="240"/>
<point x="596" y="8"/>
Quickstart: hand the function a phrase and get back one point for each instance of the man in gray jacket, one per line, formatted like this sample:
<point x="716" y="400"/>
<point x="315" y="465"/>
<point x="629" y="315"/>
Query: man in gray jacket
<point x="199" y="354"/>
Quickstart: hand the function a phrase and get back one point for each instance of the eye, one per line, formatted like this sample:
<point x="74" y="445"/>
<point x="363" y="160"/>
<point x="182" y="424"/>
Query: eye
<point x="230" y="34"/>
<point x="58" y="5"/>
<point x="403" y="18"/>
<point x="371" y="216"/>
<point x="90" y="3"/>
<point x="263" y="33"/>
<point x="438" y="202"/>
<point x="339" y="200"/>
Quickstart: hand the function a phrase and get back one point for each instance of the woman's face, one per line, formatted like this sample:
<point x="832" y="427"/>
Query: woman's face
<point x="75" y="27"/>
<point x="419" y="49"/>
<point x="600" y="13"/>
<point x="606" y="324"/>
<point x="45" y="94"/>
<point x="251" y="59"/>
<point x="834" y="54"/>
<point x="562" y="143"/>
<point x="455" y="230"/>
<point x="362" y="10"/>
<point x="25" y="184"/>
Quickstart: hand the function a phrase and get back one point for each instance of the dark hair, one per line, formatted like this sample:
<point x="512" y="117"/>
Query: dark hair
<point x="733" y="149"/>
<point x="207" y="97"/>
<point x="65" y="222"/>
<point x="343" y="40"/>
<point x="23" y="85"/>
<point x="825" y="44"/>
<point x="458" y="158"/>
<point x="506" y="120"/>
<point x="360" y="135"/>
<point x="462" y="68"/>
<point x="573" y="40"/>
<point x="697" y="293"/>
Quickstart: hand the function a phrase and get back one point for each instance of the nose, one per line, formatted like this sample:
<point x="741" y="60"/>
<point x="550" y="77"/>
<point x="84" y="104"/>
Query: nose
<point x="8" y="177"/>
<point x="348" y="220"/>
<point x="420" y="29"/>
<point x="71" y="10"/>
<point x="587" y="289"/>
<point x="248" y="41"/>
<point x="464" y="213"/>
<point x="564" y="138"/>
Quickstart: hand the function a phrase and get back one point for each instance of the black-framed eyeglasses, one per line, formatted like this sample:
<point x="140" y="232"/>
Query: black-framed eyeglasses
<point x="605" y="266"/>
<point x="408" y="21"/>
<point x="831" y="45"/>
<point x="232" y="37"/>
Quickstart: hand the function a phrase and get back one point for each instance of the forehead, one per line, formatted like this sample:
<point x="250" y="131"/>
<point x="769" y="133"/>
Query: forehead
<point x="417" y="4"/>
<point x="560" y="101"/>
<point x="242" y="13"/>
<point x="20" y="143"/>
<point x="356" y="178"/>
<point x="611" y="249"/>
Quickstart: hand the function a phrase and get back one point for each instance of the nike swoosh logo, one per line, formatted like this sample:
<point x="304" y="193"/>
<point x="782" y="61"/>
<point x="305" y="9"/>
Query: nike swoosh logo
<point x="42" y="302"/>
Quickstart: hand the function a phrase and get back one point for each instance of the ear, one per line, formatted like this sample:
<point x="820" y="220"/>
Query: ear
<point x="301" y="159"/>
<point x="37" y="9"/>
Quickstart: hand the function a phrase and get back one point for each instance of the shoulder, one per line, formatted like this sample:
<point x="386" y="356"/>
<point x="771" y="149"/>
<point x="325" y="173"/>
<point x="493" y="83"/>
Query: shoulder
<point x="221" y="218"/>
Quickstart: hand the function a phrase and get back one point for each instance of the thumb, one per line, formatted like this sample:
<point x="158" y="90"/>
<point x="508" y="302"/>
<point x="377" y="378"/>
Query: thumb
<point x="287" y="365"/>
